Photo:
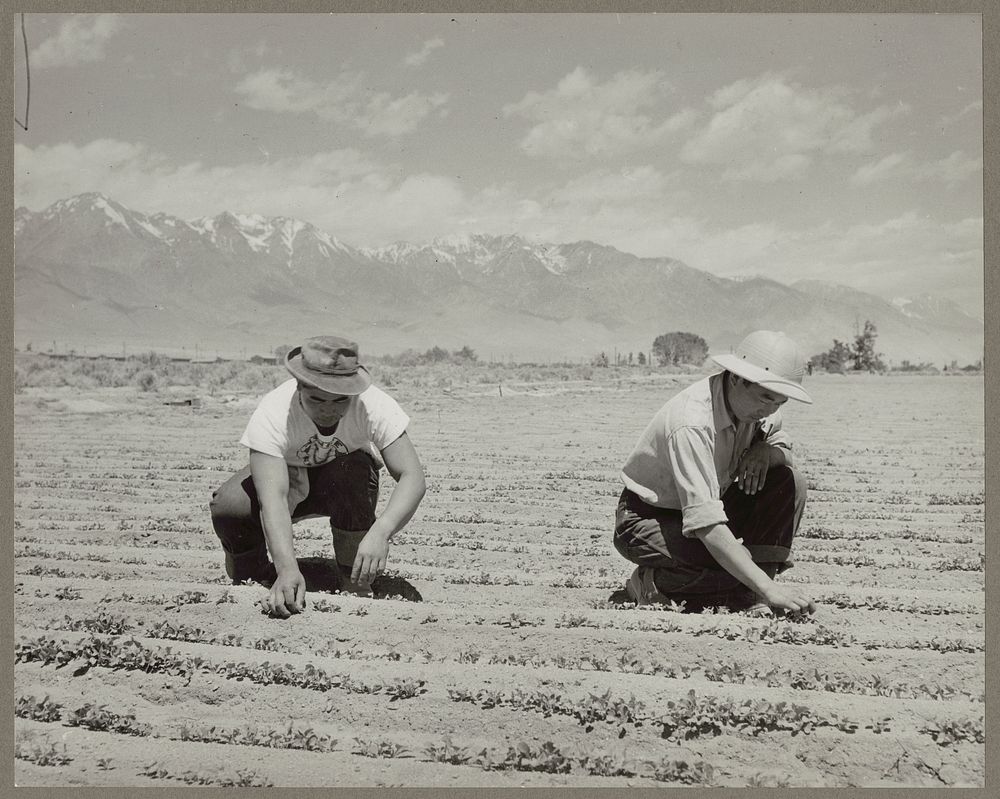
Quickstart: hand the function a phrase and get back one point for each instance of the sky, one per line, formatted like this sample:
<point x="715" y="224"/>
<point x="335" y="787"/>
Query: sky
<point x="839" y="147"/>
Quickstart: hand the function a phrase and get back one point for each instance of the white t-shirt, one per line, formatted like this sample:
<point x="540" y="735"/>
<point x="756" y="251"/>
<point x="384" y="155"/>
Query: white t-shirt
<point x="280" y="427"/>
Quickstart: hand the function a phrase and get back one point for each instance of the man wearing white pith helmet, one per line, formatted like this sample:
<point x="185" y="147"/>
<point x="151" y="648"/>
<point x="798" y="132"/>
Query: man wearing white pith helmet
<point x="711" y="500"/>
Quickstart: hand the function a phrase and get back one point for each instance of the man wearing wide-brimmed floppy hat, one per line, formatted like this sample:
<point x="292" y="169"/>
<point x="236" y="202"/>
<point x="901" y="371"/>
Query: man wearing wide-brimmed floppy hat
<point x="711" y="500"/>
<point x="316" y="443"/>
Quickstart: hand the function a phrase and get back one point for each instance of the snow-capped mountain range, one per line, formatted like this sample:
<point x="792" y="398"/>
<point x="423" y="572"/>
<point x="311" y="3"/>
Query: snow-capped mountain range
<point x="89" y="269"/>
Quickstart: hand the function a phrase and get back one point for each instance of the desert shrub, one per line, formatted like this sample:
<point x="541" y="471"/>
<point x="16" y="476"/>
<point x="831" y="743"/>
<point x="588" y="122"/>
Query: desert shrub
<point x="146" y="380"/>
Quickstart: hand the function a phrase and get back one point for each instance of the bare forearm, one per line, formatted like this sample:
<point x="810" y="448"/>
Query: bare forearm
<point x="734" y="557"/>
<point x="277" y="525"/>
<point x="779" y="456"/>
<point x="402" y="505"/>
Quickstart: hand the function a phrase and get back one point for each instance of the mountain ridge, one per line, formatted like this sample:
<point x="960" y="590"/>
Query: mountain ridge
<point x="91" y="270"/>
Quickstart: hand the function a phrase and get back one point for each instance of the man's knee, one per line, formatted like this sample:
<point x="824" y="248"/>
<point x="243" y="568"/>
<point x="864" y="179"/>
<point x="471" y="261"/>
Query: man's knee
<point x="786" y="478"/>
<point x="641" y="542"/>
<point x="621" y="544"/>
<point x="788" y="482"/>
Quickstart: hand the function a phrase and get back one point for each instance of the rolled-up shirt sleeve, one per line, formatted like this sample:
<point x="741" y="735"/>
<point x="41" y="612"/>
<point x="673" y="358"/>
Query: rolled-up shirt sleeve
<point x="690" y="453"/>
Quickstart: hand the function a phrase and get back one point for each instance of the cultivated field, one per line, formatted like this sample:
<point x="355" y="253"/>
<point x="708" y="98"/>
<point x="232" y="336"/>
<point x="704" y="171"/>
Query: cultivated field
<point x="138" y="665"/>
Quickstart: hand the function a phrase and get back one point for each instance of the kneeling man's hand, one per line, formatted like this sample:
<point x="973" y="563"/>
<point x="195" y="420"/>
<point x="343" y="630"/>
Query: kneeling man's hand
<point x="373" y="553"/>
<point x="789" y="598"/>
<point x="287" y="595"/>
<point x="751" y="471"/>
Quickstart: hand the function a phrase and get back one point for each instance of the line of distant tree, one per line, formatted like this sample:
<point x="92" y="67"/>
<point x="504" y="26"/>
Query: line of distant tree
<point x="861" y="355"/>
<point x="465" y="356"/>
<point x="410" y="357"/>
<point x="673" y="349"/>
<point x="669" y="349"/>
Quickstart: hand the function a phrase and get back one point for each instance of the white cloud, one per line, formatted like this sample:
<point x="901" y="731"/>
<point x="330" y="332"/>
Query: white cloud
<point x="769" y="129"/>
<point x="975" y="108"/>
<point x="629" y="186"/>
<point x="80" y="39"/>
<point x="420" y="57"/>
<point x="344" y="99"/>
<point x="583" y="117"/>
<point x="791" y="166"/>
<point x="954" y="169"/>
<point x="282" y="91"/>
<point x="878" y="170"/>
<point x="388" y="116"/>
<point x="237" y="58"/>
<point x="951" y="170"/>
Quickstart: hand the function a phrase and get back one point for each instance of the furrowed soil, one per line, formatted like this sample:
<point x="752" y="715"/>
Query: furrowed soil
<point x="138" y="665"/>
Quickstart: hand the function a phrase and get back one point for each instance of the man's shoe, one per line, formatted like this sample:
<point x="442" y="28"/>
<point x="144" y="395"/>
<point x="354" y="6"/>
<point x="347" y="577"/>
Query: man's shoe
<point x="348" y="586"/>
<point x="642" y="590"/>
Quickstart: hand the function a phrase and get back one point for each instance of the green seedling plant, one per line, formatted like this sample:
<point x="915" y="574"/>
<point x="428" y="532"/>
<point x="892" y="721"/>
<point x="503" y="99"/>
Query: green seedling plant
<point x="104" y="622"/>
<point x="952" y="732"/>
<point x="186" y="598"/>
<point x="379" y="749"/>
<point x="595" y="708"/>
<point x="516" y="621"/>
<point x="44" y="709"/>
<point x="98" y="717"/>
<point x="404" y="688"/>
<point x="577" y="620"/>
<point x="41" y="752"/>
<point x="670" y="769"/>
<point x="606" y="766"/>
<point x="695" y="717"/>
<point x="305" y="738"/>
<point x="243" y="778"/>
<point x="447" y="752"/>
<point x="523" y="757"/>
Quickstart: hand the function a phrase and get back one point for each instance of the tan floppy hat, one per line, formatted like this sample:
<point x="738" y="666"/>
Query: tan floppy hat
<point x="771" y="360"/>
<point x="329" y="363"/>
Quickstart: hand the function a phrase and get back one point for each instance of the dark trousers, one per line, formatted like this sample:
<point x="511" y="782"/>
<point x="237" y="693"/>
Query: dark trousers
<point x="344" y="489"/>
<point x="766" y="521"/>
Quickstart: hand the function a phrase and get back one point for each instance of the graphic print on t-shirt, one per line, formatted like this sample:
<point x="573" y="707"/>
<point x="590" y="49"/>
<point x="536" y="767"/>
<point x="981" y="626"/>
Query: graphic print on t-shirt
<point x="318" y="450"/>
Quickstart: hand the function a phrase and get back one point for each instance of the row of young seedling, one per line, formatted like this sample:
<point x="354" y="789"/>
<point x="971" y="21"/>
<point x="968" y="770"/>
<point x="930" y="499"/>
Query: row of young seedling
<point x="958" y="563"/>
<point x="520" y="757"/>
<point x="132" y="655"/>
<point x="774" y="631"/>
<point x="724" y="672"/>
<point x="687" y="718"/>
<point x="684" y="719"/>
<point x="91" y="557"/>
<point x="913" y="606"/>
<point x="547" y="757"/>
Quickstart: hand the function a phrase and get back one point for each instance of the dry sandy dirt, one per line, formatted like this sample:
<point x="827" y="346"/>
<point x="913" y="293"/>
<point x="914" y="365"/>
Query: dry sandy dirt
<point x="137" y="665"/>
